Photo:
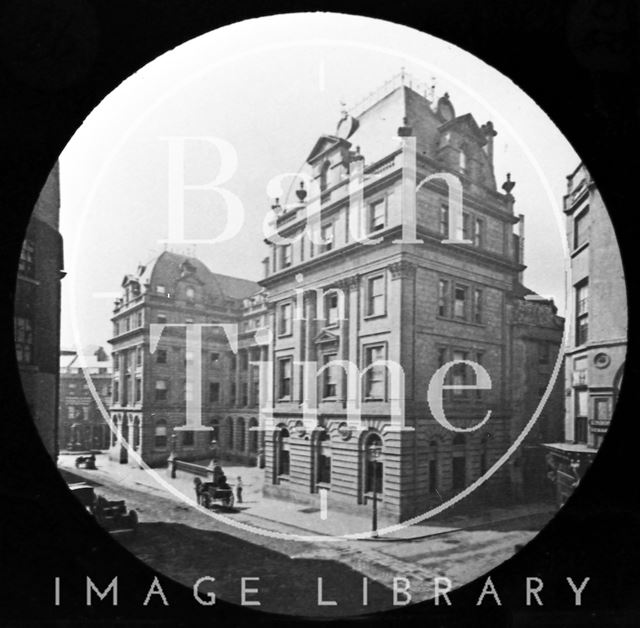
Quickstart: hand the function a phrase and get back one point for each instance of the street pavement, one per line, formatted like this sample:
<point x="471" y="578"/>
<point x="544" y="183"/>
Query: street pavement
<point x="462" y="551"/>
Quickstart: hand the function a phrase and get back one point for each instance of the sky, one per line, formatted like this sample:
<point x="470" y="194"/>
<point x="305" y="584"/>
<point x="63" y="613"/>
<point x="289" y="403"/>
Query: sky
<point x="269" y="87"/>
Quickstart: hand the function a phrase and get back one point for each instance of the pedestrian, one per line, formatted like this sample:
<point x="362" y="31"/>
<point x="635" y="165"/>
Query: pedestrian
<point x="239" y="490"/>
<point x="197" y="485"/>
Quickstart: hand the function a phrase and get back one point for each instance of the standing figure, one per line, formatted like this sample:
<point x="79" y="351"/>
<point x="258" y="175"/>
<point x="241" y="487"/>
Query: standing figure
<point x="239" y="490"/>
<point x="197" y="485"/>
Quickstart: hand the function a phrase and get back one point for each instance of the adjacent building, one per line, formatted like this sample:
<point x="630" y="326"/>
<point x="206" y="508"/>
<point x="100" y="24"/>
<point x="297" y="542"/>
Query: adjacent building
<point x="37" y="312"/>
<point x="150" y="388"/>
<point x="597" y="334"/>
<point x="85" y="395"/>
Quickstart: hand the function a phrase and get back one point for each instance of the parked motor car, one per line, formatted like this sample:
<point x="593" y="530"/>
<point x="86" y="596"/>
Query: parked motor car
<point x="110" y="514"/>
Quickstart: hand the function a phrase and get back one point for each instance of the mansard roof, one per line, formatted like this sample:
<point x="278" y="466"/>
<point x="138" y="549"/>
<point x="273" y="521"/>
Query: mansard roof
<point x="169" y="268"/>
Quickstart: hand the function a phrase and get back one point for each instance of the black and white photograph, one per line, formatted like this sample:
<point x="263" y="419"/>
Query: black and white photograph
<point x="318" y="316"/>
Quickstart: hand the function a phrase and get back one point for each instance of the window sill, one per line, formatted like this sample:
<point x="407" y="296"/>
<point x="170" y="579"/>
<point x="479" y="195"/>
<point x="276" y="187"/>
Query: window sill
<point x="283" y="478"/>
<point x="325" y="485"/>
<point x="371" y="316"/>
<point x="579" y="249"/>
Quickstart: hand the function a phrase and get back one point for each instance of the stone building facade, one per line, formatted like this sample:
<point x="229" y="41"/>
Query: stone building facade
<point x="597" y="335"/>
<point x="82" y="423"/>
<point x="418" y="304"/>
<point x="150" y="389"/>
<point x="37" y="312"/>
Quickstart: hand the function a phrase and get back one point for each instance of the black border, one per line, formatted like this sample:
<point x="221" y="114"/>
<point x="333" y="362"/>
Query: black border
<point x="578" y="59"/>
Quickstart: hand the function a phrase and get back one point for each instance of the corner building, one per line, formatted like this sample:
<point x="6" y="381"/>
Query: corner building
<point x="419" y="305"/>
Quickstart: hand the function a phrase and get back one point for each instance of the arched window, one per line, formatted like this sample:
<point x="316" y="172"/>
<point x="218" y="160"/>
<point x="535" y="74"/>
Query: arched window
<point x="283" y="451"/>
<point x="160" y="434"/>
<point x="458" y="462"/>
<point x="214" y="423"/>
<point x="433" y="466"/>
<point x="240" y="436"/>
<point x="323" y="471"/>
<point x="462" y="159"/>
<point x="374" y="467"/>
<point x="253" y="436"/>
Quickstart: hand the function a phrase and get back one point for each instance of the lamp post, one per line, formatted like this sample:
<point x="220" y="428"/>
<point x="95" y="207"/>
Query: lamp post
<point x="172" y="455"/>
<point x="374" y="452"/>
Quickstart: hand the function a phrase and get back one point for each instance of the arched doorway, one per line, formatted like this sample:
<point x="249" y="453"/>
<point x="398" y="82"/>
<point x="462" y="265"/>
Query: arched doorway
<point x="372" y="466"/>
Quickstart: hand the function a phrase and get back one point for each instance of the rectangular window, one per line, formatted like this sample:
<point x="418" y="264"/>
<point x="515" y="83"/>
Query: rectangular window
<point x="285" y="256"/>
<point x="116" y="391"/>
<point x="161" y="356"/>
<point x="284" y="320"/>
<point x="161" y="319"/>
<point x="377" y="215"/>
<point x="459" y="374"/>
<point x="582" y="313"/>
<point x="602" y="409"/>
<point x="214" y="392"/>
<point x="330" y="376"/>
<point x="284" y="378"/>
<point x="138" y="396"/>
<point x="138" y="356"/>
<point x="24" y="339"/>
<point x="460" y="303"/>
<point x="187" y="439"/>
<point x="478" y="229"/>
<point x="161" y="390"/>
<point x="375" y="296"/>
<point x="477" y="305"/>
<point x="464" y="230"/>
<point x="232" y="393"/>
<point x="160" y="289"/>
<point x="139" y="319"/>
<point x="442" y="356"/>
<point x="581" y="229"/>
<point x="331" y="305"/>
<point x="327" y="236"/>
<point x="245" y="395"/>
<point x="443" y="297"/>
<point x="27" y="254"/>
<point x="444" y="219"/>
<point x="479" y="359"/>
<point x="375" y="379"/>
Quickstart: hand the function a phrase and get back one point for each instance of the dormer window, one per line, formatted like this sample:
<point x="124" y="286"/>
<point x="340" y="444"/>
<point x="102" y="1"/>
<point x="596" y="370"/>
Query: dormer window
<point x="190" y="293"/>
<point x="324" y="175"/>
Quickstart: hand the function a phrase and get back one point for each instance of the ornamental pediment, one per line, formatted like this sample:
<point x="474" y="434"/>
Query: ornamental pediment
<point x="326" y="337"/>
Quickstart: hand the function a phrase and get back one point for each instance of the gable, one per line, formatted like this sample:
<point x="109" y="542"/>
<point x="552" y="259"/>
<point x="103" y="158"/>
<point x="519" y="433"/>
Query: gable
<point x="324" y="144"/>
